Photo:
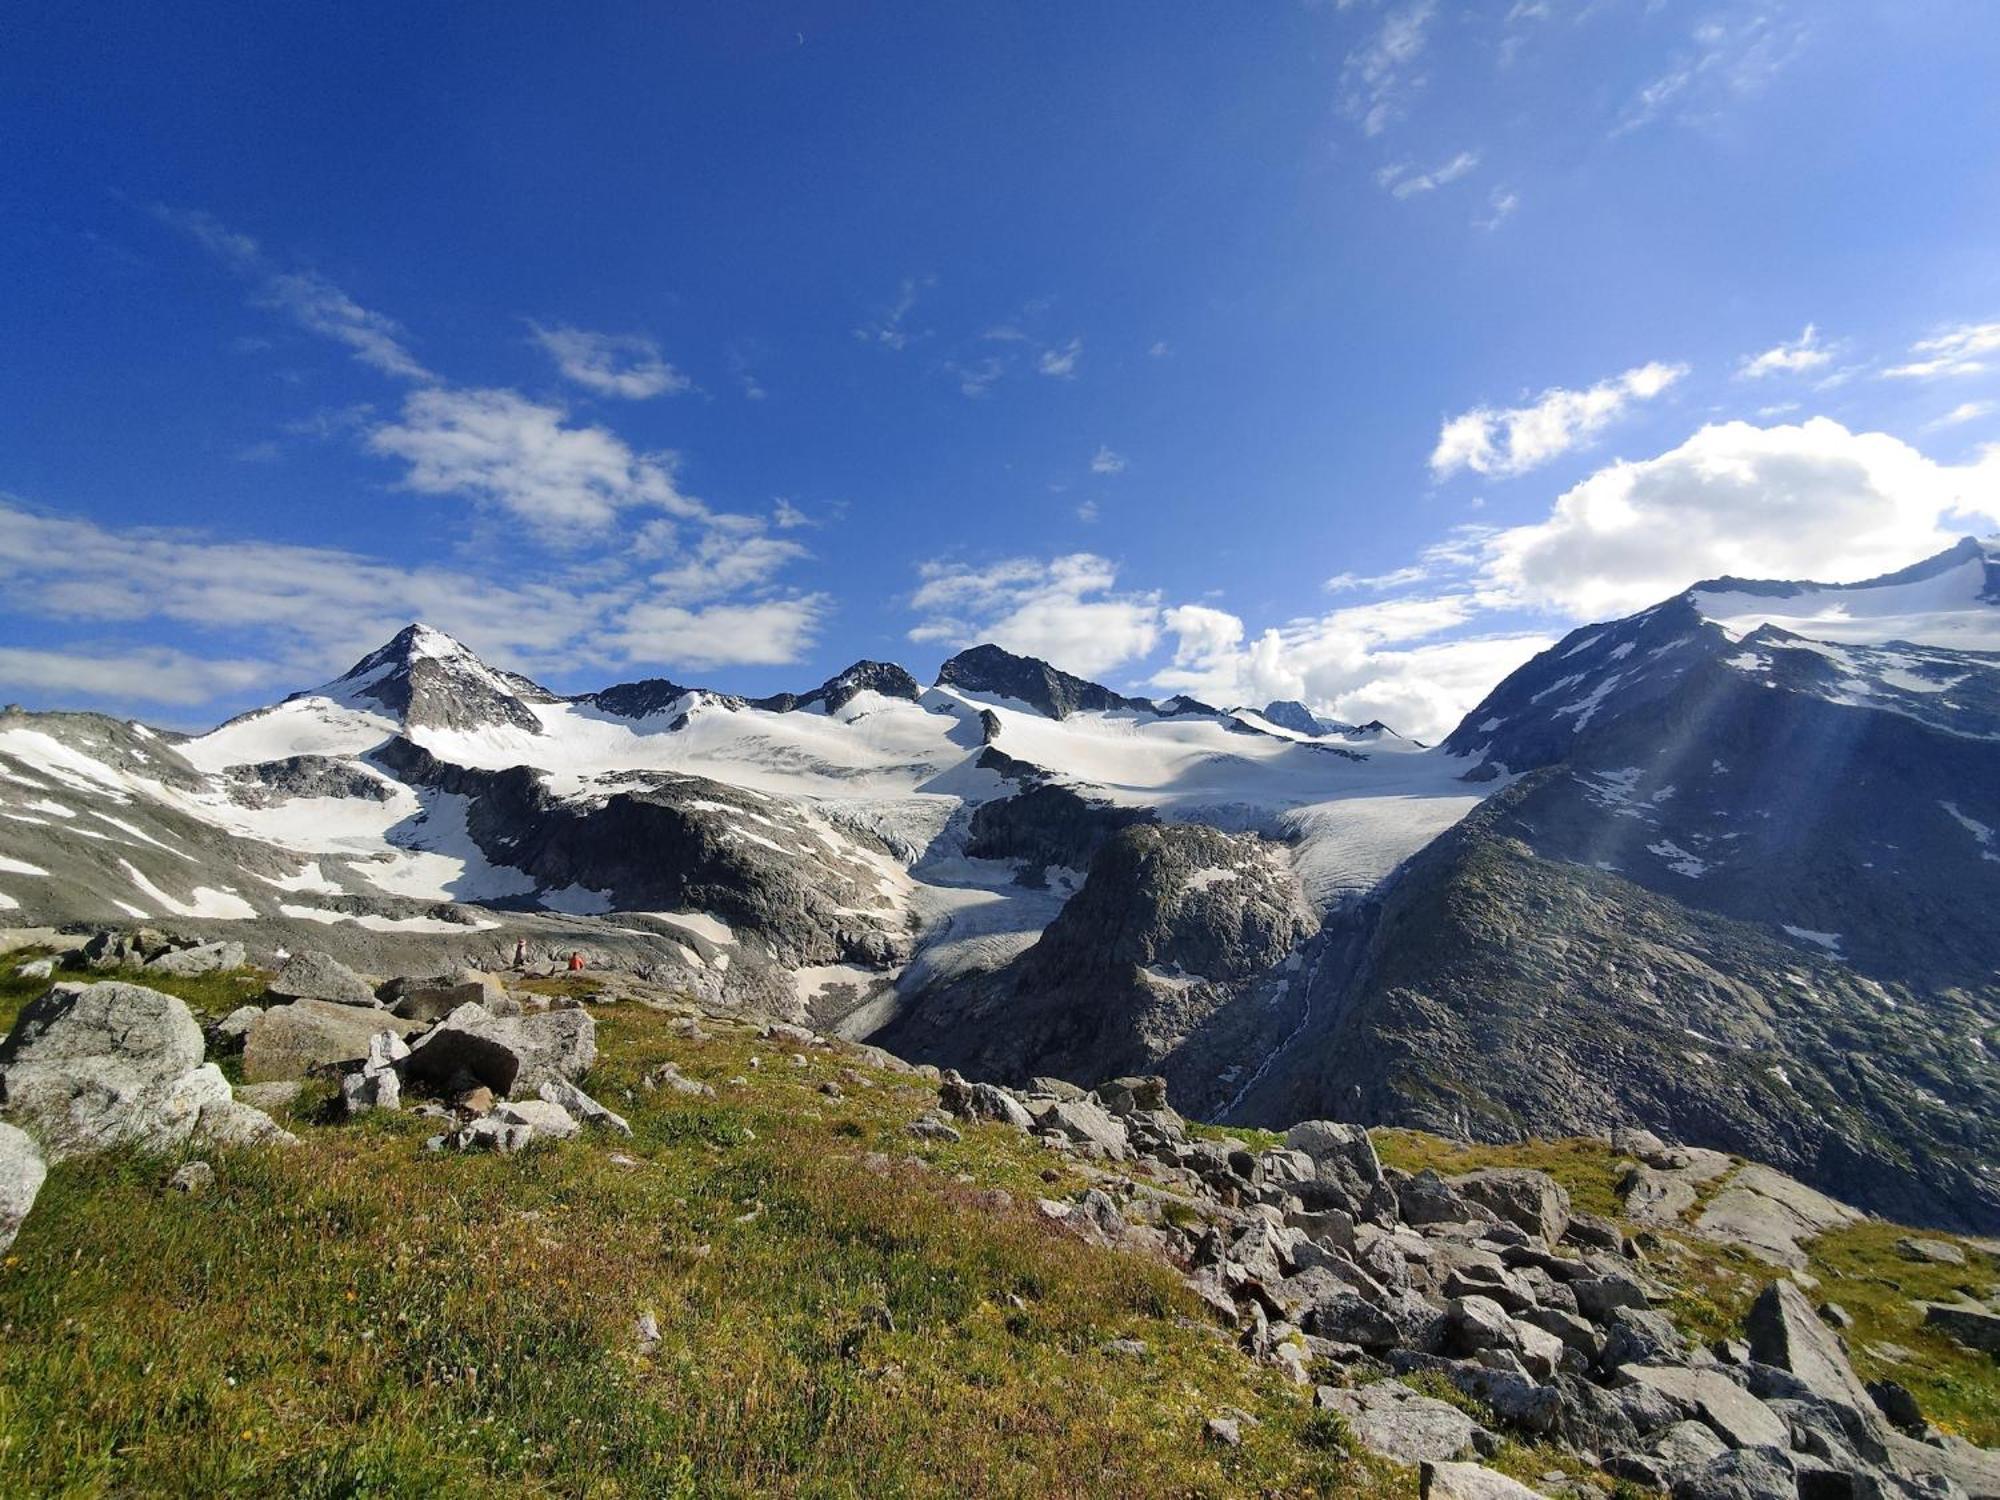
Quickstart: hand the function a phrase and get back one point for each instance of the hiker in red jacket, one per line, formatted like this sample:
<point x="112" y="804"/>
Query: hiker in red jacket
<point x="575" y="962"/>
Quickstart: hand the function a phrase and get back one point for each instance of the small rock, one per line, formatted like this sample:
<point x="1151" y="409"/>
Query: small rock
<point x="1226" y="1431"/>
<point x="1935" y="1252"/>
<point x="194" y="1177"/>
<point x="667" y="1076"/>
<point x="540" y="1116"/>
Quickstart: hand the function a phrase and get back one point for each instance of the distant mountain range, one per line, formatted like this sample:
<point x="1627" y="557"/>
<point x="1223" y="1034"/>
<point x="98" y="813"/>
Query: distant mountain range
<point x="1726" y="868"/>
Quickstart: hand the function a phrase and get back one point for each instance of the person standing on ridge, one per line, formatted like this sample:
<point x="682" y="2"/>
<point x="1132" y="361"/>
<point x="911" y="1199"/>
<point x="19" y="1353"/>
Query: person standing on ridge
<point x="520" y="953"/>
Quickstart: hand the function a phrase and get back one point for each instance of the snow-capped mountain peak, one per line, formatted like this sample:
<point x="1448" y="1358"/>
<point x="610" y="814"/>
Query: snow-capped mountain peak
<point x="426" y="678"/>
<point x="1951" y="599"/>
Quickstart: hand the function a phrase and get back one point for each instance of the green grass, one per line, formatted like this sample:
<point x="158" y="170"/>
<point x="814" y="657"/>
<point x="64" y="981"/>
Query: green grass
<point x="357" y="1317"/>
<point x="1586" y="1167"/>
<point x="1859" y="1268"/>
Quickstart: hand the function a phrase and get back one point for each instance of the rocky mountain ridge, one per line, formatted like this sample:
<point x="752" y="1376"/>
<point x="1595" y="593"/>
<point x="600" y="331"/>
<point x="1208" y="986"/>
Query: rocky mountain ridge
<point x="1734" y="879"/>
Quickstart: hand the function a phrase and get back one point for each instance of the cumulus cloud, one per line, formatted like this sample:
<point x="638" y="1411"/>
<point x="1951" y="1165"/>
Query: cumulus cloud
<point x="524" y="457"/>
<point x="1104" y="461"/>
<point x="627" y="365"/>
<point x="1963" y="350"/>
<point x="1065" y="610"/>
<point x="1795" y="358"/>
<point x="1812" y="500"/>
<point x="1517" y="439"/>
<point x="1382" y="661"/>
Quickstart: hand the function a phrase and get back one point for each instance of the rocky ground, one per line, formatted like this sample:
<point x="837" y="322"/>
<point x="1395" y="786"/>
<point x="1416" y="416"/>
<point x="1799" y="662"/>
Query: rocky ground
<point x="696" y="1253"/>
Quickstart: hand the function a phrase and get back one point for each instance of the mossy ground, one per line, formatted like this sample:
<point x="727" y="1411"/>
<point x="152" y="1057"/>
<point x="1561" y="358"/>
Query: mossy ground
<point x="358" y="1317"/>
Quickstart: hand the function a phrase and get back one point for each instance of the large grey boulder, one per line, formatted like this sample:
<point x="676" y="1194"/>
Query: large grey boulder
<point x="90" y="1067"/>
<point x="512" y="1055"/>
<point x="21" y="1174"/>
<point x="1750" y="1474"/>
<point x="1088" y="1124"/>
<point x="289" y="1041"/>
<point x="313" y="975"/>
<point x="1739" y="1418"/>
<point x="204" y="958"/>
<point x="1785" y="1331"/>
<point x="1974" y="1327"/>
<point x="1531" y="1200"/>
<point x="429" y="1002"/>
<point x="1346" y="1171"/>
<point x="1389" y="1418"/>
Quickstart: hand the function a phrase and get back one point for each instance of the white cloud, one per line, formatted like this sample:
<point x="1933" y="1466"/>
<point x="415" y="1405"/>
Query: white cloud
<point x="1087" y="512"/>
<point x="1066" y="610"/>
<point x="1159" y="349"/>
<point x="1807" y="501"/>
<point x="1376" y="661"/>
<point x="627" y="365"/>
<point x="154" y="674"/>
<point x="499" y="448"/>
<point x="1802" y="354"/>
<point x="1966" y="411"/>
<point x="1060" y="360"/>
<point x="1518" y="439"/>
<point x="307" y="297"/>
<point x="1402" y="183"/>
<point x="765" y="633"/>
<point x="1956" y="351"/>
<point x="310" y="612"/>
<point x="1104" y="461"/>
<point x="1376" y="78"/>
<point x="723" y="562"/>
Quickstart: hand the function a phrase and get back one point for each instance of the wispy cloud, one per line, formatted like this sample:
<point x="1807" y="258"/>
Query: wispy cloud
<point x="1104" y="461"/>
<point x="1059" y="361"/>
<point x="890" y="329"/>
<point x="1401" y="182"/>
<point x="1966" y="411"/>
<point x="1500" y="207"/>
<point x="1516" y="439"/>
<point x="1728" y="58"/>
<point x="626" y="365"/>
<point x="1962" y="350"/>
<point x="308" y="298"/>
<point x="1795" y="358"/>
<point x="1376" y="79"/>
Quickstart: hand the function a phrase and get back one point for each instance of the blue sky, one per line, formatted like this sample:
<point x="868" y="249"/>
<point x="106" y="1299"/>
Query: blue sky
<point x="1340" y="351"/>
